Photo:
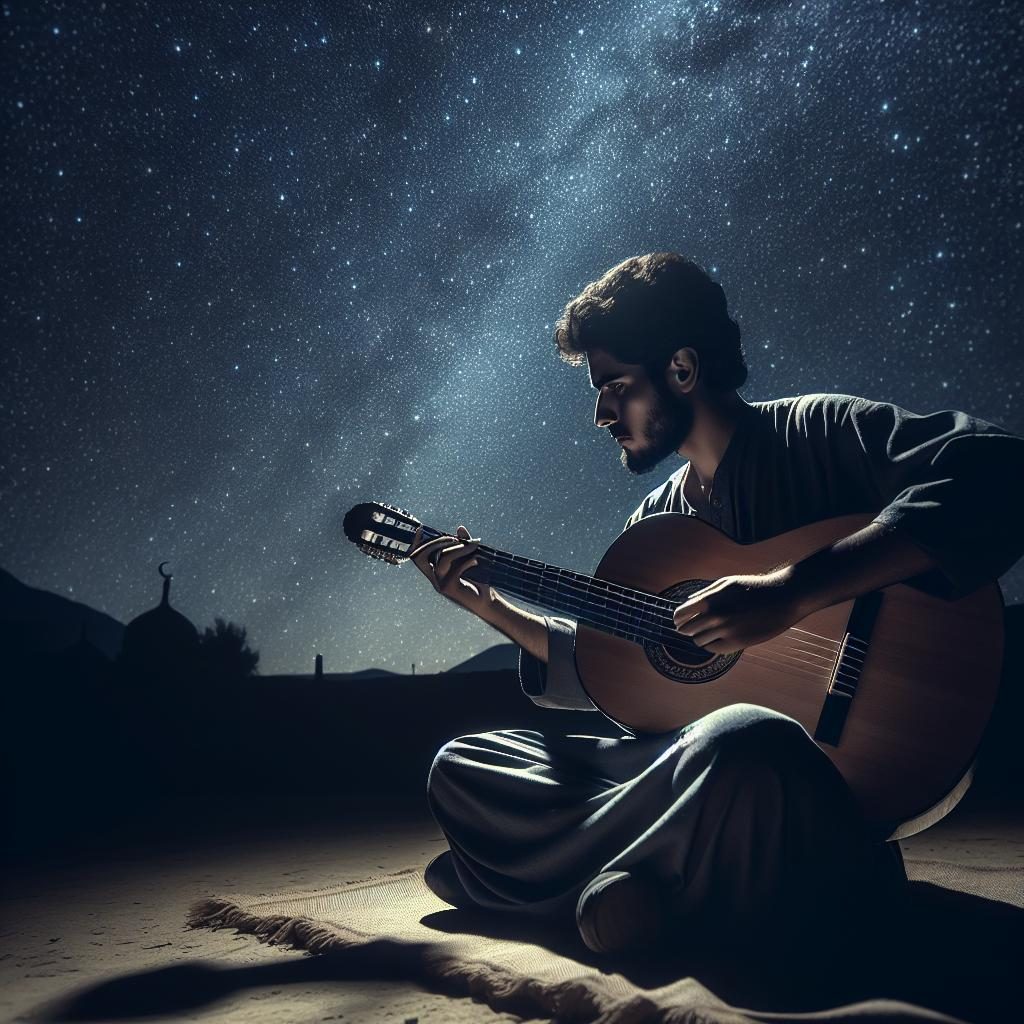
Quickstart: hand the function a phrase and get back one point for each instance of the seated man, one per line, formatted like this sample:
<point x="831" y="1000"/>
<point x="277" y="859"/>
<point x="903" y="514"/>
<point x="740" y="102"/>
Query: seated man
<point x="719" y="824"/>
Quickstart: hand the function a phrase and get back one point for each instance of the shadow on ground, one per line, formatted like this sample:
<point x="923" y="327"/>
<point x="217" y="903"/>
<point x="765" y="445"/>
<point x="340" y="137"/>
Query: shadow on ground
<point x="944" y="950"/>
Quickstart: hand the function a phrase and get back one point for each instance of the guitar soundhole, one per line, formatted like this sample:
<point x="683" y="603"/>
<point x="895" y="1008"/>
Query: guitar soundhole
<point x="684" y="664"/>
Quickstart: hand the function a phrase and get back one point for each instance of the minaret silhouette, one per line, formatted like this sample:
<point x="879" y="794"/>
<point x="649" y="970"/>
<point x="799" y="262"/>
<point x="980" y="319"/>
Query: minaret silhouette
<point x="161" y="641"/>
<point x="318" y="670"/>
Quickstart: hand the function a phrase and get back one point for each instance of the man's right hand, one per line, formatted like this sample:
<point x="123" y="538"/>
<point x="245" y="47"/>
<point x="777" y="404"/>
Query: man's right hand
<point x="444" y="560"/>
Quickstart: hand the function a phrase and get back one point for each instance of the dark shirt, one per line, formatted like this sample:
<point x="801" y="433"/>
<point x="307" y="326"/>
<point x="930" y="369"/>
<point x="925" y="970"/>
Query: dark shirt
<point x="953" y="484"/>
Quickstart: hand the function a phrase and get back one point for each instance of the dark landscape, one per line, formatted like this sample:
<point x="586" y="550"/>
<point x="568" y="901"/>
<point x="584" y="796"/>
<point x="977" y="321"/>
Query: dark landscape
<point x="96" y="739"/>
<point x="144" y="777"/>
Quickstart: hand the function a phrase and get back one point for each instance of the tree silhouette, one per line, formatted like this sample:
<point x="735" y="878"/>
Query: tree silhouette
<point x="224" y="652"/>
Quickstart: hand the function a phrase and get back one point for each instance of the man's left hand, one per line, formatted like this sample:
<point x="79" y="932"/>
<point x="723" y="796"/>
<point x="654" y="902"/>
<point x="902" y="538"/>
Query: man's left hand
<point x="736" y="612"/>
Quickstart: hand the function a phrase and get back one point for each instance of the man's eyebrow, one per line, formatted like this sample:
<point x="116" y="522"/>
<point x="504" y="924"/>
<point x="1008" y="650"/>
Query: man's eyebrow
<point x="600" y="382"/>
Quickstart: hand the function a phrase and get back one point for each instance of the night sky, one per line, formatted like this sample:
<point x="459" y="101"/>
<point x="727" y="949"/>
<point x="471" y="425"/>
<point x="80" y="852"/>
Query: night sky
<point x="261" y="263"/>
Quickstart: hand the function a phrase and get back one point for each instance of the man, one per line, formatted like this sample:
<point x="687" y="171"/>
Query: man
<point x="717" y="827"/>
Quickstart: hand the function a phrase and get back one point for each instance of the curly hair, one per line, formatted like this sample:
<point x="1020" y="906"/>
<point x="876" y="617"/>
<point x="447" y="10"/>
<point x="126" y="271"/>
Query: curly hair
<point x="647" y="308"/>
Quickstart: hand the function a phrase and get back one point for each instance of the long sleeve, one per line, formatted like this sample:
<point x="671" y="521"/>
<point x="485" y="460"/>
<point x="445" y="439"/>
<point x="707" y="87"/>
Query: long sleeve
<point x="952" y="483"/>
<point x="556" y="684"/>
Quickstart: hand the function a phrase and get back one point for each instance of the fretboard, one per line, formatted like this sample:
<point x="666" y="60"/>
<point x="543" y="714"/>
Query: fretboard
<point x="621" y="611"/>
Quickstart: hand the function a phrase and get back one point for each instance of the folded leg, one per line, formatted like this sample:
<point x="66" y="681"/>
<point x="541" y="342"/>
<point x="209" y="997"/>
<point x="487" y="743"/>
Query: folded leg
<point x="730" y="815"/>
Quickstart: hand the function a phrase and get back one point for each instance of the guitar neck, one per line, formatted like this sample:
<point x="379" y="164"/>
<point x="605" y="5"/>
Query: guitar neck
<point x="611" y="608"/>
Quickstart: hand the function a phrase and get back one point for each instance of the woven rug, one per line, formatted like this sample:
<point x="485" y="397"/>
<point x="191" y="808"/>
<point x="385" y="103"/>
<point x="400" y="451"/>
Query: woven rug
<point x="395" y="925"/>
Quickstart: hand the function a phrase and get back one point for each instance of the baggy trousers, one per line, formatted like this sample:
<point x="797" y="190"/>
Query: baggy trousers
<point x="732" y="816"/>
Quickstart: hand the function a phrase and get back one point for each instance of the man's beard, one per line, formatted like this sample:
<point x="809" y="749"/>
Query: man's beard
<point x="666" y="428"/>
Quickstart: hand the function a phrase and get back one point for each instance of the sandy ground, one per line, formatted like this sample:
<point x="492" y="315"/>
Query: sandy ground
<point x="104" y="914"/>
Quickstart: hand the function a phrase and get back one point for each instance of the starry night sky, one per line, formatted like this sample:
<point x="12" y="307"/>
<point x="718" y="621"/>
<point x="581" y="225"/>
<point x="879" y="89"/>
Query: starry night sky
<point x="261" y="263"/>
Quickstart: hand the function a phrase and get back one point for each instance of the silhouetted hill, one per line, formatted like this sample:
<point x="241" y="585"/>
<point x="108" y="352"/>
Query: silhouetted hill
<point x="499" y="658"/>
<point x="39" y="622"/>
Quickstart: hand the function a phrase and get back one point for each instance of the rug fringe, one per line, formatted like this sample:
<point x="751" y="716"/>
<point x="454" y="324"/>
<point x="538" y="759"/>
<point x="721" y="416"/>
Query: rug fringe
<point x="573" y="1001"/>
<point x="274" y="930"/>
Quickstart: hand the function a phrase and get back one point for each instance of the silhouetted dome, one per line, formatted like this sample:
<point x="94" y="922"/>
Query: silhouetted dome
<point x="161" y="638"/>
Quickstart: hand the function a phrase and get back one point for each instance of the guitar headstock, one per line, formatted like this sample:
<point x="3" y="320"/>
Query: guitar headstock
<point x="381" y="531"/>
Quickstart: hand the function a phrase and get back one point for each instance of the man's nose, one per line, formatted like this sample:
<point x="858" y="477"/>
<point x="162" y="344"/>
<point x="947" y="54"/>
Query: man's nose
<point x="604" y="414"/>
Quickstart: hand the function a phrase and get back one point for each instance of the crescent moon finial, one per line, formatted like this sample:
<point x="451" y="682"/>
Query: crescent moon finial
<point x="165" y="575"/>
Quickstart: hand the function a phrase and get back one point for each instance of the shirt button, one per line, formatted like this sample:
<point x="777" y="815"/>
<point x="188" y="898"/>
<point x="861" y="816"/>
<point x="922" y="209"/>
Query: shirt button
<point x="717" y="502"/>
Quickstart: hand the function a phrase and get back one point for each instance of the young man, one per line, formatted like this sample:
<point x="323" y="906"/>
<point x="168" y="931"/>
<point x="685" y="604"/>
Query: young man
<point x="717" y="827"/>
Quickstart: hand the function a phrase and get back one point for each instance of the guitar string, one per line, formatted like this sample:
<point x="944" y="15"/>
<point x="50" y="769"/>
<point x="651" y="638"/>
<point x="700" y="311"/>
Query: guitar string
<point x="562" y="586"/>
<point x="626" y="597"/>
<point x="559" y="588"/>
<point x="671" y="638"/>
<point x="790" y="670"/>
<point x="565" y="584"/>
<point x="842" y="675"/>
<point x="605" y="615"/>
<point x="796" y="664"/>
<point x="809" y="648"/>
<point x="574" y="580"/>
<point x="849" y="658"/>
<point x="831" y="646"/>
<point x="816" y="635"/>
<point x="824" y="658"/>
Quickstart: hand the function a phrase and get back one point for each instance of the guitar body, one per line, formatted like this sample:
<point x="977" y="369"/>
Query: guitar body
<point x="907" y="702"/>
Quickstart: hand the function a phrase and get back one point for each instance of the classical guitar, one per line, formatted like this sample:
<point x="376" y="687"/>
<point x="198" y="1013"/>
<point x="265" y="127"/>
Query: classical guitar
<point x="895" y="686"/>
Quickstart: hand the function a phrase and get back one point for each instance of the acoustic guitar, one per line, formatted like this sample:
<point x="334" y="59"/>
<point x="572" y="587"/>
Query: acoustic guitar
<point x="895" y="686"/>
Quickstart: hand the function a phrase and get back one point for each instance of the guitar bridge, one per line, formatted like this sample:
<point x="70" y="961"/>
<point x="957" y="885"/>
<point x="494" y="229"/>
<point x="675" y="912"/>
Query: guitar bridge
<point x="846" y="671"/>
<point x="842" y="686"/>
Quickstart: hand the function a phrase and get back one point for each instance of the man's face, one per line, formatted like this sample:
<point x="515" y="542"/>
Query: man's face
<point x="649" y="420"/>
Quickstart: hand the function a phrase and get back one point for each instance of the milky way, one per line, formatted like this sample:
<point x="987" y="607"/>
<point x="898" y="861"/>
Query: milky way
<point x="263" y="263"/>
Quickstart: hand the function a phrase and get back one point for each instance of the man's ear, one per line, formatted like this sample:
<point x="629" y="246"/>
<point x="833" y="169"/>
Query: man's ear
<point x="684" y="370"/>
